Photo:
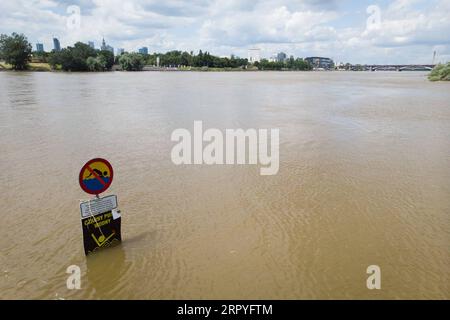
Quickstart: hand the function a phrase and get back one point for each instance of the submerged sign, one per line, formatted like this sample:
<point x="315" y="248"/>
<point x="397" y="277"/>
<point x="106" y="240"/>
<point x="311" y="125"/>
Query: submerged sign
<point x="101" y="231"/>
<point x="98" y="205"/>
<point x="100" y="218"/>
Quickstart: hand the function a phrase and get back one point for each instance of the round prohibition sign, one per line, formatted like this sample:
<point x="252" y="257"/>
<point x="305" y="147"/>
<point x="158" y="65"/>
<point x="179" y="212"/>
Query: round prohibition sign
<point x="96" y="176"/>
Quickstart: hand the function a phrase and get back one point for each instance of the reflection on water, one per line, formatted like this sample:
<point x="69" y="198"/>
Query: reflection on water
<point x="364" y="179"/>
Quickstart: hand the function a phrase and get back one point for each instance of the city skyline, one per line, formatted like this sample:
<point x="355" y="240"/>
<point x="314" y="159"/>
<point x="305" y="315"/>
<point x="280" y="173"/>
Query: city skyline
<point x="381" y="32"/>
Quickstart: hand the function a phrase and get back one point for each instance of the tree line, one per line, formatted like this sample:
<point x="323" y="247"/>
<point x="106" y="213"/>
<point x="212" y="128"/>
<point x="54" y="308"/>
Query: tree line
<point x="17" y="51"/>
<point x="205" y="59"/>
<point x="178" y="58"/>
<point x="288" y="64"/>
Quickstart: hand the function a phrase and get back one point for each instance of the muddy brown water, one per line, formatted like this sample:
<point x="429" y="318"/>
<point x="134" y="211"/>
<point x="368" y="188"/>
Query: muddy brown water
<point x="364" y="179"/>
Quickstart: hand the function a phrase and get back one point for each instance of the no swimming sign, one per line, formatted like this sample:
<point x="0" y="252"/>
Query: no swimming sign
<point x="96" y="176"/>
<point x="100" y="218"/>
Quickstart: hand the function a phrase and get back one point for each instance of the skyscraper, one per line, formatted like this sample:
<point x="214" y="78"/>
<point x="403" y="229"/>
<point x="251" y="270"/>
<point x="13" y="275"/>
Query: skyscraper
<point x="143" y="50"/>
<point x="56" y="44"/>
<point x="103" y="47"/>
<point x="281" y="57"/>
<point x="39" y="47"/>
<point x="106" y="47"/>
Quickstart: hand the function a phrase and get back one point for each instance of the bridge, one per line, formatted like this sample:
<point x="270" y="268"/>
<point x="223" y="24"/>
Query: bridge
<point x="396" y="67"/>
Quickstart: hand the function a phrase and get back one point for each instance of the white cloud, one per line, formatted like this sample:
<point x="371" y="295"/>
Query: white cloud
<point x="410" y="30"/>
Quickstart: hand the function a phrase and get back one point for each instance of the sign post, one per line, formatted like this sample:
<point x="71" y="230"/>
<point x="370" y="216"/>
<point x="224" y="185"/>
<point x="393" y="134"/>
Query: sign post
<point x="100" y="218"/>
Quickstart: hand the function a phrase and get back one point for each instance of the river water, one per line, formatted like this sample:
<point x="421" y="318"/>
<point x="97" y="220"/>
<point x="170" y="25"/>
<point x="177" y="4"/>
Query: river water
<point x="364" y="180"/>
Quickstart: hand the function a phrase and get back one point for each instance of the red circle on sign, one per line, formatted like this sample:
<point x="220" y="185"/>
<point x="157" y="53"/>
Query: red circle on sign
<point x="99" y="182"/>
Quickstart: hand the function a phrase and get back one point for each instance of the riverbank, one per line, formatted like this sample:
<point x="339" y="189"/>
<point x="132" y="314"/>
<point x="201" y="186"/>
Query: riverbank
<point x="46" y="67"/>
<point x="33" y="66"/>
<point x="441" y="72"/>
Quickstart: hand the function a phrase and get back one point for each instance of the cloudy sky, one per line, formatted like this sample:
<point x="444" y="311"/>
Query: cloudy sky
<point x="400" y="31"/>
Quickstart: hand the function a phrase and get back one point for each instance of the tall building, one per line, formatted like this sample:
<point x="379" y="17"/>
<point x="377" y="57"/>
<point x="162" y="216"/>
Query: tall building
<point x="143" y="50"/>
<point x="254" y="55"/>
<point x="103" y="47"/>
<point x="91" y="44"/>
<point x="39" y="47"/>
<point x="106" y="47"/>
<point x="281" y="57"/>
<point x="320" y="62"/>
<point x="56" y="44"/>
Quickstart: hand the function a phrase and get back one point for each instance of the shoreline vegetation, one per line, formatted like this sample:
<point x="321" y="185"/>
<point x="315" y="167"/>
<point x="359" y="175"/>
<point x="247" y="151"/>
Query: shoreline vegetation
<point x="16" y="54"/>
<point x="440" y="72"/>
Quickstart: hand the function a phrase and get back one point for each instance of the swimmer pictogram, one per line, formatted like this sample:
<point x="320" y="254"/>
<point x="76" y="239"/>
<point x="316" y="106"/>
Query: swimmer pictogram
<point x="96" y="176"/>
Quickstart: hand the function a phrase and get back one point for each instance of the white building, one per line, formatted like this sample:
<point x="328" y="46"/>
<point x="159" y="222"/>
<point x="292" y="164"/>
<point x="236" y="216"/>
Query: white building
<point x="254" y="55"/>
<point x="273" y="58"/>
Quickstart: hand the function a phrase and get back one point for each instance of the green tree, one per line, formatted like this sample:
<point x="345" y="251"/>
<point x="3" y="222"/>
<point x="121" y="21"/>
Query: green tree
<point x="96" y="64"/>
<point x="15" y="50"/>
<point x="203" y="59"/>
<point x="132" y="61"/>
<point x="186" y="59"/>
<point x="117" y="57"/>
<point x="440" y="72"/>
<point x="75" y="58"/>
<point x="40" y="56"/>
<point x="55" y="59"/>
<point x="108" y="58"/>
<point x="290" y="64"/>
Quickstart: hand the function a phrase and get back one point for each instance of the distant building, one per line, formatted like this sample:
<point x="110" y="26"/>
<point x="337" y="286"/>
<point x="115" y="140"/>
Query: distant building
<point x="120" y="51"/>
<point x="56" y="44"/>
<point x="106" y="47"/>
<point x="39" y="47"/>
<point x="143" y="50"/>
<point x="340" y="66"/>
<point x="103" y="46"/>
<point x="273" y="58"/>
<point x="281" y="57"/>
<point x="91" y="44"/>
<point x="254" y="55"/>
<point x="320" y="63"/>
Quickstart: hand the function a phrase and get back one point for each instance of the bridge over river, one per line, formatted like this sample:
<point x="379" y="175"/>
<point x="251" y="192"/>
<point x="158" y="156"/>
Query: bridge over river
<point x="397" y="67"/>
